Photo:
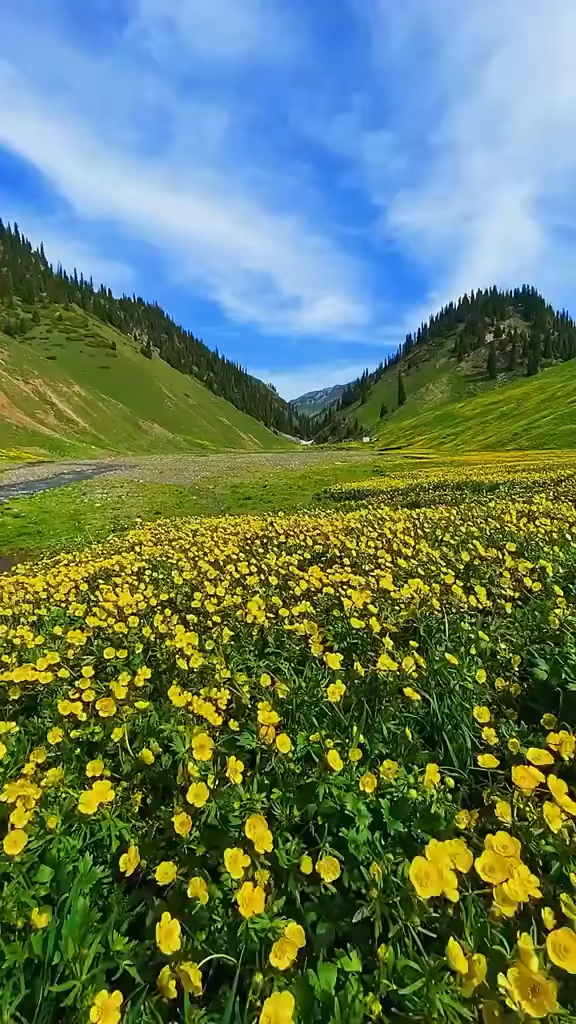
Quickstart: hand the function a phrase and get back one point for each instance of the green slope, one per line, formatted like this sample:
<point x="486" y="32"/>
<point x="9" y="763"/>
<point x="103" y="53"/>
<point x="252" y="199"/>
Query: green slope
<point x="433" y="377"/>
<point x="74" y="386"/>
<point x="530" y="413"/>
<point x="476" y="347"/>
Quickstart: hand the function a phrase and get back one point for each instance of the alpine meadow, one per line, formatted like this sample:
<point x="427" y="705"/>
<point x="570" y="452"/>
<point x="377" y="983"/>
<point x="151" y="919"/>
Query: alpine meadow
<point x="287" y="512"/>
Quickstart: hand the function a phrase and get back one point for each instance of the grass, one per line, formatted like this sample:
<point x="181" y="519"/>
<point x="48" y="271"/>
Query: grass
<point x="81" y="513"/>
<point x="531" y="413"/>
<point x="66" y="391"/>
<point x="305" y="768"/>
<point x="455" y="405"/>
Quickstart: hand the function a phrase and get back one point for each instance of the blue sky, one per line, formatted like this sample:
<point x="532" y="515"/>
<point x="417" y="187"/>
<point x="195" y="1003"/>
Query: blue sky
<point x="299" y="182"/>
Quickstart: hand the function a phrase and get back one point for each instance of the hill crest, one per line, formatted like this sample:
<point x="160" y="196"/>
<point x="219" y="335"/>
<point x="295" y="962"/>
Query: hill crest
<point x="484" y="341"/>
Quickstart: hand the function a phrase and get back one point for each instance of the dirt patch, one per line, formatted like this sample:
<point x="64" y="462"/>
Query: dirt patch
<point x="8" y="562"/>
<point x="155" y="430"/>
<point x="10" y="413"/>
<point x="49" y="393"/>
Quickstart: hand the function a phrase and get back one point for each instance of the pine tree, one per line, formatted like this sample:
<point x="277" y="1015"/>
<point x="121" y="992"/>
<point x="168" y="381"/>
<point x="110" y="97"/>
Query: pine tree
<point x="383" y="411"/>
<point x="548" y="349"/>
<point x="492" y="366"/>
<point x="513" y="354"/>
<point x="401" y="390"/>
<point x="534" y="354"/>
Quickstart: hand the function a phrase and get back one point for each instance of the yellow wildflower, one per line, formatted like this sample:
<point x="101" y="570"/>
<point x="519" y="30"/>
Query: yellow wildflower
<point x="328" y="868"/>
<point x="561" y="948"/>
<point x="168" y="934"/>
<point x="368" y="783"/>
<point x="166" y="983"/>
<point x="236" y="861"/>
<point x="106" y="1007"/>
<point x="40" y="918"/>
<point x="198" y="794"/>
<point x="278" y="1009"/>
<point x="334" y="760"/>
<point x="487" y="761"/>
<point x="197" y="889"/>
<point x="190" y="976"/>
<point x="182" y="823"/>
<point x="250" y="899"/>
<point x="129" y="861"/>
<point x="166" y="872"/>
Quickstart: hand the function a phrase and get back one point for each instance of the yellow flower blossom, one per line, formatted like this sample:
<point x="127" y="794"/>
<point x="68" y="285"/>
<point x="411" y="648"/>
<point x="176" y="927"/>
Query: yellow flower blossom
<point x="106" y="1007"/>
<point x="412" y="694"/>
<point x="432" y="776"/>
<point x="283" y="743"/>
<point x="487" y="761"/>
<point x="198" y="794"/>
<point x="197" y="889"/>
<point x="129" y="861"/>
<point x="561" y="948"/>
<point x="236" y="861"/>
<point x="529" y="991"/>
<point x="166" y="983"/>
<point x="539" y="757"/>
<point x="190" y="976"/>
<point x="250" y="899"/>
<point x="278" y="1009"/>
<point x="503" y="811"/>
<point x="368" y="783"/>
<point x="202" y="747"/>
<point x="234" y="770"/>
<point x="40" y="917"/>
<point x="306" y="864"/>
<point x="166" y="872"/>
<point x="328" y="868"/>
<point x="168" y="934"/>
<point x="334" y="760"/>
<point x="106" y="707"/>
<point x="526" y="777"/>
<point x="182" y="823"/>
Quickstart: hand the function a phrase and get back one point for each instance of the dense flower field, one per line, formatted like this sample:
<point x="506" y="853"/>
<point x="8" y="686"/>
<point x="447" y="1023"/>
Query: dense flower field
<point x="297" y="768"/>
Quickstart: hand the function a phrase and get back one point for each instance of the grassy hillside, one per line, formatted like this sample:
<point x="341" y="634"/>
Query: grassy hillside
<point x="432" y="377"/>
<point x="74" y="386"/>
<point x="529" y="413"/>
<point x="478" y="345"/>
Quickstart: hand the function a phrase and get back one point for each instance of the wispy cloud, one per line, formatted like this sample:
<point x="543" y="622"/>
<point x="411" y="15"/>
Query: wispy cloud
<point x="485" y="123"/>
<point x="224" y="29"/>
<point x="263" y="265"/>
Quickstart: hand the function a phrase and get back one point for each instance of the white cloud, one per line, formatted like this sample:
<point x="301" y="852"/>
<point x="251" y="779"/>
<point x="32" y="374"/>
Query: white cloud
<point x="222" y="29"/>
<point x="485" y="115"/>
<point x="269" y="268"/>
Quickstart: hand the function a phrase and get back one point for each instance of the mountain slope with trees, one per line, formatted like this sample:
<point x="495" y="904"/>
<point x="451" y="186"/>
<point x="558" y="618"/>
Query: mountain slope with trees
<point x="484" y="341"/>
<point x="29" y="284"/>
<point x="73" y="386"/>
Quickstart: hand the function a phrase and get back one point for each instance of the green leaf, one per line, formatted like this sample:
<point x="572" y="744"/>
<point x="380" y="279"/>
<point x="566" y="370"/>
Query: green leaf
<point x="327" y="975"/>
<point x="351" y="963"/>
<point x="44" y="874"/>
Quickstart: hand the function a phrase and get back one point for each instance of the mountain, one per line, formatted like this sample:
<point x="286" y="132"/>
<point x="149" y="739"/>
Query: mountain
<point x="30" y="289"/>
<point x="71" y="385"/>
<point x="537" y="412"/>
<point x="484" y="342"/>
<point x="315" y="401"/>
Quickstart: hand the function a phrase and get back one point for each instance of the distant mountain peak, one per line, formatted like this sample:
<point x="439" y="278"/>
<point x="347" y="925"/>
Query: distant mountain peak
<point x="315" y="401"/>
